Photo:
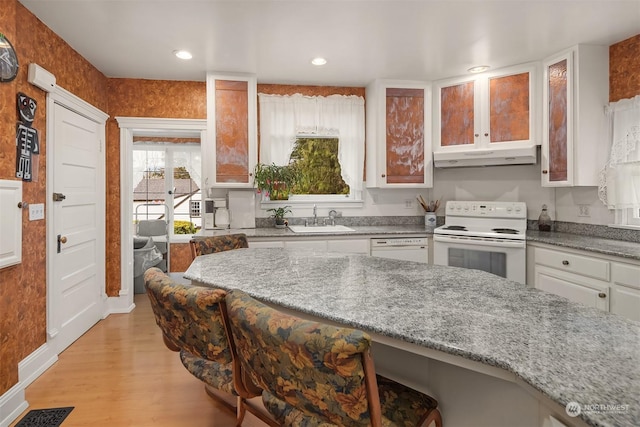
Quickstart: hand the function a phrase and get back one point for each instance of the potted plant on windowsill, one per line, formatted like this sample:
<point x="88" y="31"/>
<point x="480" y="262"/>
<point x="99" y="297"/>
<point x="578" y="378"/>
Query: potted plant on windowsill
<point x="278" y="215"/>
<point x="275" y="181"/>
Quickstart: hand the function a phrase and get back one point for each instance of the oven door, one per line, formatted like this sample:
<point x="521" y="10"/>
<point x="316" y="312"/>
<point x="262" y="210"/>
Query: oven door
<point x="505" y="258"/>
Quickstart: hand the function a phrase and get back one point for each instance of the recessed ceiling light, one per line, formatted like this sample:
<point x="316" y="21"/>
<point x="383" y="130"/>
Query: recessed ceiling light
<point x="318" y="61"/>
<point x="183" y="54"/>
<point x="478" y="69"/>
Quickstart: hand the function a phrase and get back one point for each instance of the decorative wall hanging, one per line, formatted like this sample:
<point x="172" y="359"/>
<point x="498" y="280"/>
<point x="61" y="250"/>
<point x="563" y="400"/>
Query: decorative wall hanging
<point x="8" y="60"/>
<point x="27" y="142"/>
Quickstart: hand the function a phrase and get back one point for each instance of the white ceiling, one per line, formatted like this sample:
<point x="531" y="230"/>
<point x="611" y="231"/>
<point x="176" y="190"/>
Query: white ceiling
<point x="362" y="40"/>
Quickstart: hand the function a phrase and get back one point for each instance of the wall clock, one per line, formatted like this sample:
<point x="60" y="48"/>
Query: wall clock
<point x="8" y="60"/>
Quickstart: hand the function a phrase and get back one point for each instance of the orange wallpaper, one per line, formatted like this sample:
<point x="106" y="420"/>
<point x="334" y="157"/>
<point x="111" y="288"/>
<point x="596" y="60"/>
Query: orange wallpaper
<point x="23" y="287"/>
<point x="309" y="90"/>
<point x="143" y="98"/>
<point x="624" y="69"/>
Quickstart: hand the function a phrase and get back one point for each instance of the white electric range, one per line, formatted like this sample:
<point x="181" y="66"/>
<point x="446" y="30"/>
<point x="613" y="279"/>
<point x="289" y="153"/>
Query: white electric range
<point x="489" y="236"/>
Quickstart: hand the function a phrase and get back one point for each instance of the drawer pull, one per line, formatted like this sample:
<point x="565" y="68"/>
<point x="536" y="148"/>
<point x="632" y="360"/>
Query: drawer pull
<point x="602" y="295"/>
<point x="565" y="262"/>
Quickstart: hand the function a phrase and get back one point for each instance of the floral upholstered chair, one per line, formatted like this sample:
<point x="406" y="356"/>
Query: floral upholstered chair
<point x="315" y="374"/>
<point x="191" y="323"/>
<point x="213" y="244"/>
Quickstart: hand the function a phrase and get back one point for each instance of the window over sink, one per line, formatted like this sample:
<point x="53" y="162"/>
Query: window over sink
<point x="324" y="136"/>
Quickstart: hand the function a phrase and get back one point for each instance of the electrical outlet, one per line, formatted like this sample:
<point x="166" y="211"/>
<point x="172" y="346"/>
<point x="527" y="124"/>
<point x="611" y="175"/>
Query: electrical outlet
<point x="583" y="210"/>
<point x="36" y="211"/>
<point x="408" y="204"/>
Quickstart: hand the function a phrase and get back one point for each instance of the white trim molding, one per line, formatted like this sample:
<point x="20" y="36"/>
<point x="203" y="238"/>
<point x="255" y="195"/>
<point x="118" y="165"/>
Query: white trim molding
<point x="13" y="402"/>
<point x="130" y="127"/>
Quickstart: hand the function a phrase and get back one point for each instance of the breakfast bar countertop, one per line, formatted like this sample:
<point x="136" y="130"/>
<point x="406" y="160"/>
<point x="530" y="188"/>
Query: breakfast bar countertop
<point x="566" y="351"/>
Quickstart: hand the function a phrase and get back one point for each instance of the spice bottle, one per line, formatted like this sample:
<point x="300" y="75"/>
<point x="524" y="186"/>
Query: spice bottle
<point x="544" y="220"/>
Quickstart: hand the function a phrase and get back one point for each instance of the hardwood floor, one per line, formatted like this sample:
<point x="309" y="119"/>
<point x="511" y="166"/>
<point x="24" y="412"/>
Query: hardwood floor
<point x="121" y="374"/>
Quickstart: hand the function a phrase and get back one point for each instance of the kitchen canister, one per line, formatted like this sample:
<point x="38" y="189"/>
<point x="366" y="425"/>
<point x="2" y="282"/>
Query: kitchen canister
<point x="430" y="220"/>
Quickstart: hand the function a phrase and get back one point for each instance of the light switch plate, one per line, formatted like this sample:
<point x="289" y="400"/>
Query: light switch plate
<point x="36" y="211"/>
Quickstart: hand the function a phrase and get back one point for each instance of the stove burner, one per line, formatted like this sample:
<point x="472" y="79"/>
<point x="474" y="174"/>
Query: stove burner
<point x="455" y="227"/>
<point x="505" y="230"/>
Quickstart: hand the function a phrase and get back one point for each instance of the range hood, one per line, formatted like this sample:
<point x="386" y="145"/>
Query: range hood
<point x="485" y="157"/>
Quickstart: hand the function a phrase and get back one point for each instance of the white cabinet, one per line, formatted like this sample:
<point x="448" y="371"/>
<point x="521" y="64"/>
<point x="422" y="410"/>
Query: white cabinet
<point x="575" y="92"/>
<point x="266" y="243"/>
<point x="358" y="245"/>
<point x="574" y="287"/>
<point x="625" y="294"/>
<point x="10" y="222"/>
<point x="230" y="152"/>
<point x="398" y="134"/>
<point x="483" y="116"/>
<point x="319" y="245"/>
<point x="608" y="283"/>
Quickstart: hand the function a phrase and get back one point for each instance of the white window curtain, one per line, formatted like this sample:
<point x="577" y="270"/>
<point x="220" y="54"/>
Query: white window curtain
<point x="620" y="179"/>
<point x="283" y="118"/>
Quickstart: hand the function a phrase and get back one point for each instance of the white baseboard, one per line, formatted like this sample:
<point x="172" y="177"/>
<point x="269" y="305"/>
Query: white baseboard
<point x="13" y="403"/>
<point x="119" y="305"/>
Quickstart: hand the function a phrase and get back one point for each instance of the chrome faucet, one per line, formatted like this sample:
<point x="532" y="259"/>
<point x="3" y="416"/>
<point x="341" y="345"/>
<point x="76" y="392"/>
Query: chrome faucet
<point x="315" y="214"/>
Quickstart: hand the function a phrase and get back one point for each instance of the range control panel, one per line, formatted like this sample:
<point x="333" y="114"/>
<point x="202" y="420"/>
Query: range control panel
<point x="487" y="209"/>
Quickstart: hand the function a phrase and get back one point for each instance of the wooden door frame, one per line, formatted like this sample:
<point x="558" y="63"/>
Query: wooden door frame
<point x="130" y="127"/>
<point x="77" y="105"/>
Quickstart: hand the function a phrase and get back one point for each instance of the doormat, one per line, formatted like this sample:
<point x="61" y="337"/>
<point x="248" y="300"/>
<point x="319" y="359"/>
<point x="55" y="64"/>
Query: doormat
<point x="45" y="417"/>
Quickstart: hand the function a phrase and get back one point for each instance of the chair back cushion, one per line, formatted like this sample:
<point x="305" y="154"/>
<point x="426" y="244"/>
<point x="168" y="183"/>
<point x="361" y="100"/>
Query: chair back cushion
<point x="213" y="244"/>
<point x="189" y="316"/>
<point x="316" y="368"/>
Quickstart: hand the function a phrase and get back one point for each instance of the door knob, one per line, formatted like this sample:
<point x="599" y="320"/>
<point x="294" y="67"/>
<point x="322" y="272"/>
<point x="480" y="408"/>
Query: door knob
<point x="61" y="240"/>
<point x="602" y="295"/>
<point x="58" y="197"/>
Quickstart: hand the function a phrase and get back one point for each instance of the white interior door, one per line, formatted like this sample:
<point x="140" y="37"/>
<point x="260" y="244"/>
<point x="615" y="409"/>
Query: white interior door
<point x="76" y="246"/>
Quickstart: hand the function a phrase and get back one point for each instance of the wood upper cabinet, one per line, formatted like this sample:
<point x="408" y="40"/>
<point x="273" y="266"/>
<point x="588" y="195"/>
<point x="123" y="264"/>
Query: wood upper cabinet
<point x="575" y="92"/>
<point x="398" y="135"/>
<point x="490" y="109"/>
<point x="230" y="152"/>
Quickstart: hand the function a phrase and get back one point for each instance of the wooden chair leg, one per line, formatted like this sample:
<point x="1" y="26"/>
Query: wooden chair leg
<point x="240" y="412"/>
<point x="434" y="417"/>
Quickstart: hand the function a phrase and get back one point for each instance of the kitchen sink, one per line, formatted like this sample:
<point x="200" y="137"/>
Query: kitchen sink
<point x="319" y="228"/>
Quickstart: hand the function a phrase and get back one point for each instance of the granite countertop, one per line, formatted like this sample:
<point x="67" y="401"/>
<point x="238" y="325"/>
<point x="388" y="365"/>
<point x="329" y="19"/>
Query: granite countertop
<point x="599" y="245"/>
<point x="566" y="351"/>
<point x="357" y="231"/>
<point x="620" y="248"/>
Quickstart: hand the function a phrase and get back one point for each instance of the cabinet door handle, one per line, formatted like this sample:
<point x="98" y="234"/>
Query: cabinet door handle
<point x="545" y="172"/>
<point x="383" y="175"/>
<point x="477" y="135"/>
<point x="602" y="295"/>
<point x="486" y="134"/>
<point x="565" y="262"/>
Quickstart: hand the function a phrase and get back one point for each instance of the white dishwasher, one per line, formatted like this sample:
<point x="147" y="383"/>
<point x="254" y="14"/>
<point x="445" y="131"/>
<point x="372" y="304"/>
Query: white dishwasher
<point x="403" y="248"/>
